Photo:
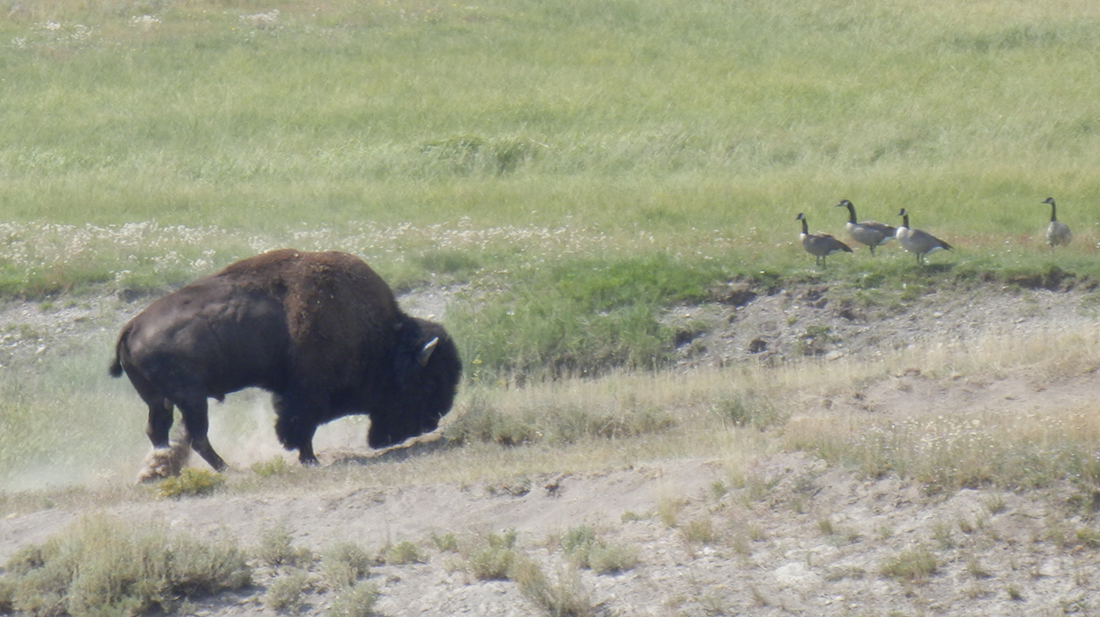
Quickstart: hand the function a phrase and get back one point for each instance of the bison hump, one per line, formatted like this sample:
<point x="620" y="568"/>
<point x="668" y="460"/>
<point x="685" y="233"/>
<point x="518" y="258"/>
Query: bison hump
<point x="340" y="313"/>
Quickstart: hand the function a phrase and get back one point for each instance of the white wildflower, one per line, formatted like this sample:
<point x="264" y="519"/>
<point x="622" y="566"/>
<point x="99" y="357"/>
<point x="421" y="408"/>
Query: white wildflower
<point x="261" y="20"/>
<point x="81" y="32"/>
<point x="144" y="21"/>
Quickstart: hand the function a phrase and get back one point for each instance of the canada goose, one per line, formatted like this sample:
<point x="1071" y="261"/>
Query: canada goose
<point x="916" y="241"/>
<point x="819" y="245"/>
<point x="871" y="233"/>
<point x="1057" y="232"/>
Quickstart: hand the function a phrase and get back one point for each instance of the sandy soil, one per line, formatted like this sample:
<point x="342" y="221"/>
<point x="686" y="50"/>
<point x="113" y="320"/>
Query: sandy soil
<point x="813" y="542"/>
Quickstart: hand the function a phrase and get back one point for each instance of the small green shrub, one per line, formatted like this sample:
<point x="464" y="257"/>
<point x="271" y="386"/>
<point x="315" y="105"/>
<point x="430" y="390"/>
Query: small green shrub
<point x="402" y="553"/>
<point x="578" y="540"/>
<point x="611" y="558"/>
<point x="190" y="482"/>
<point x="274" y="467"/>
<point x="581" y="545"/>
<point x="491" y="564"/>
<point x="284" y="594"/>
<point x="815" y="341"/>
<point x="344" y="564"/>
<point x="357" y="600"/>
<point x="275" y="550"/>
<point x="7" y="594"/>
<point x="493" y="560"/>
<point x="446" y="542"/>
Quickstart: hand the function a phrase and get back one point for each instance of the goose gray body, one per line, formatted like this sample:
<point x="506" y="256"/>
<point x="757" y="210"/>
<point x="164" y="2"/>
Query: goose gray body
<point x="917" y="241"/>
<point x="819" y="245"/>
<point x="870" y="233"/>
<point x="1058" y="233"/>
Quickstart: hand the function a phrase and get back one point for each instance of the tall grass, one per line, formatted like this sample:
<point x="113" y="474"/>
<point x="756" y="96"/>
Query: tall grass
<point x="1007" y="448"/>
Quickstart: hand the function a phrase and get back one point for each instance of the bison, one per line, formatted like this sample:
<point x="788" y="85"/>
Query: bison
<point x="321" y="331"/>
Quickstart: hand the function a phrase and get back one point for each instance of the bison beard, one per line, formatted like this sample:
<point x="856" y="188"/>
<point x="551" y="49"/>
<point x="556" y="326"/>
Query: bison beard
<point x="321" y="331"/>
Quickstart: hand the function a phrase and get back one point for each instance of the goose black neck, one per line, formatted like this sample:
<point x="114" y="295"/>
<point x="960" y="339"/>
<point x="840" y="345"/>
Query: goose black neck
<point x="1053" y="212"/>
<point x="851" y="213"/>
<point x="805" y="227"/>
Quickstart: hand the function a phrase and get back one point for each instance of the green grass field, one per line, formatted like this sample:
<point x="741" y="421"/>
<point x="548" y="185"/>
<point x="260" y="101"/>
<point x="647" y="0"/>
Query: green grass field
<point x="654" y="115"/>
<point x="586" y="162"/>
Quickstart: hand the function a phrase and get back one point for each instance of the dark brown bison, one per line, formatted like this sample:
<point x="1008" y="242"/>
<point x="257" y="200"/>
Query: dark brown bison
<point x="321" y="331"/>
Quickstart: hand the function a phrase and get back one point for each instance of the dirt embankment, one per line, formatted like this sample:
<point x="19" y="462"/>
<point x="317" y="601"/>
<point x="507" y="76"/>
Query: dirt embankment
<point x="795" y="537"/>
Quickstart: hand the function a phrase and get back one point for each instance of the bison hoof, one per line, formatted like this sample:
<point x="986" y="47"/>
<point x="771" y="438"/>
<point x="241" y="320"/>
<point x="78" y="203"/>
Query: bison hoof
<point x="164" y="462"/>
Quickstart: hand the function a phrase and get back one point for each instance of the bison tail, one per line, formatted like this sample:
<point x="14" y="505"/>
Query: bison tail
<point x="115" y="370"/>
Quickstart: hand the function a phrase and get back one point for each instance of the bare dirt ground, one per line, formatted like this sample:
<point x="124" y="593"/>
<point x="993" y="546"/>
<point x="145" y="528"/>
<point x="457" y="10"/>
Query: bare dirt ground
<point x="800" y="538"/>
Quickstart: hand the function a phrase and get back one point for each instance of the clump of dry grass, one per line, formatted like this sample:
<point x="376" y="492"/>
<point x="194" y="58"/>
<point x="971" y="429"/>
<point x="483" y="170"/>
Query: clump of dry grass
<point x="565" y="597"/>
<point x="1007" y="448"/>
<point x="913" y="564"/>
<point x="748" y="408"/>
<point x="556" y="424"/>
<point x="948" y="452"/>
<point x="102" y="565"/>
<point x="699" y="531"/>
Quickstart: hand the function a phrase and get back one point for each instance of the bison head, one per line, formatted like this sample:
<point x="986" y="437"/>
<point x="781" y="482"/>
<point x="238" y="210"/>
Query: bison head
<point x="425" y="378"/>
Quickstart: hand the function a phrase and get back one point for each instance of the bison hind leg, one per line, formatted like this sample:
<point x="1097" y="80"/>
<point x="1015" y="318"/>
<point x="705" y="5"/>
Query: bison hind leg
<point x="165" y="462"/>
<point x="195" y="421"/>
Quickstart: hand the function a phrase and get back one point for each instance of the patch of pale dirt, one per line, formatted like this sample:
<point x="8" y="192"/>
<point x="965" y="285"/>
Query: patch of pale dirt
<point x="799" y="537"/>
<point x="752" y="323"/>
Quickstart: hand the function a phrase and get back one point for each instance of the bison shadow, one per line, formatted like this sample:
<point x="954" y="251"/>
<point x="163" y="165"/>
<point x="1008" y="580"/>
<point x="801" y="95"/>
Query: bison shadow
<point x="418" y="446"/>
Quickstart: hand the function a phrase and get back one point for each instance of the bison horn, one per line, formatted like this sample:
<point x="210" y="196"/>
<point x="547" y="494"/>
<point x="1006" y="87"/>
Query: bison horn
<point x="426" y="351"/>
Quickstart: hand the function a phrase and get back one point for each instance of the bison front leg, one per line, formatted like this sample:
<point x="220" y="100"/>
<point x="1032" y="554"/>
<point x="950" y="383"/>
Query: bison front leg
<point x="295" y="422"/>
